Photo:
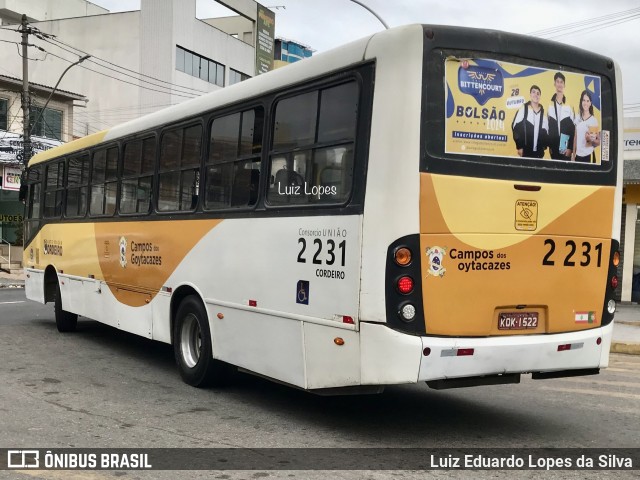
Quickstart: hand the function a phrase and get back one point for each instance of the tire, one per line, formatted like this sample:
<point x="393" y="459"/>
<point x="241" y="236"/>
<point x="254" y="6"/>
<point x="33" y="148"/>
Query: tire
<point x="192" y="347"/>
<point x="65" y="321"/>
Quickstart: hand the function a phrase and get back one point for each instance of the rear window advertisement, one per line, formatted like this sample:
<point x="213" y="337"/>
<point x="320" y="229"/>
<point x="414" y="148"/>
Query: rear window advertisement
<point x="501" y="109"/>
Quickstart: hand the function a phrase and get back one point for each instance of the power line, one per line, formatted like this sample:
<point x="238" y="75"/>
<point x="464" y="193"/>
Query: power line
<point x="121" y="80"/>
<point x="129" y="70"/>
<point x="180" y="88"/>
<point x="580" y="23"/>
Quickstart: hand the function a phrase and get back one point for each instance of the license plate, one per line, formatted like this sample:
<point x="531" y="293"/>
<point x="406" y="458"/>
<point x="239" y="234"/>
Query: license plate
<point x="517" y="320"/>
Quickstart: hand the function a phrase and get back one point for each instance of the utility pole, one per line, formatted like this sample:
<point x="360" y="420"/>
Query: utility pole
<point x="26" y="149"/>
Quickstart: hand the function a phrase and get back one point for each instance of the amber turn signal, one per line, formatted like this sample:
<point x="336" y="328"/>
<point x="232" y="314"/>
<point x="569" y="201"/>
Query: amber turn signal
<point x="338" y="341"/>
<point x="616" y="258"/>
<point x="402" y="256"/>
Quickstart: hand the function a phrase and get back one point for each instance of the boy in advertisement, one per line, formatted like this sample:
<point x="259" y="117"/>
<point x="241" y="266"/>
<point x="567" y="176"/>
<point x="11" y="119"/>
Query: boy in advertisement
<point x="531" y="127"/>
<point x="561" y="122"/>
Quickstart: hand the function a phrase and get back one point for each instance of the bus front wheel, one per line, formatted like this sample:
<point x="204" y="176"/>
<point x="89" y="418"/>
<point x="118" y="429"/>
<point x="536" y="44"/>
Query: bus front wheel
<point x="192" y="346"/>
<point x="65" y="321"/>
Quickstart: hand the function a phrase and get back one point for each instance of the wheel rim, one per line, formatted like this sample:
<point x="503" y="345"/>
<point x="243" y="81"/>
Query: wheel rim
<point x="190" y="340"/>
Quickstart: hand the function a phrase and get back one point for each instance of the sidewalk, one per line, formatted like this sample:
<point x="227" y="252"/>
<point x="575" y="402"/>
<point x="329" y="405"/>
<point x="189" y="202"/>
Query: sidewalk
<point x="11" y="280"/>
<point x="626" y="329"/>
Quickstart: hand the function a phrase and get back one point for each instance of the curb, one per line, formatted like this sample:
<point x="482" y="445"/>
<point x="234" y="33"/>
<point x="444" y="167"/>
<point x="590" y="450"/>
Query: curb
<point x="627" y="348"/>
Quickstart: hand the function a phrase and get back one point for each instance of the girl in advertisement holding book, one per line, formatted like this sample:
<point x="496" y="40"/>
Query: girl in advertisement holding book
<point x="587" y="136"/>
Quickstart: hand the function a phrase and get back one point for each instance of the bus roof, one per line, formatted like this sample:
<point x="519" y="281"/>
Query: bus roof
<point x="317" y="65"/>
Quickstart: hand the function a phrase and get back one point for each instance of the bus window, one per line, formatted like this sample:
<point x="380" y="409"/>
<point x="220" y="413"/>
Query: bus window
<point x="233" y="166"/>
<point x="104" y="185"/>
<point x="137" y="176"/>
<point x="179" y="179"/>
<point x="54" y="190"/>
<point x="323" y="171"/>
<point x="77" y="186"/>
<point x="34" y="181"/>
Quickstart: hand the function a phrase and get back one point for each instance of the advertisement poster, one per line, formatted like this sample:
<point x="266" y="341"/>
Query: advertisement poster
<point x="266" y="27"/>
<point x="11" y="146"/>
<point x="11" y="178"/>
<point x="501" y="109"/>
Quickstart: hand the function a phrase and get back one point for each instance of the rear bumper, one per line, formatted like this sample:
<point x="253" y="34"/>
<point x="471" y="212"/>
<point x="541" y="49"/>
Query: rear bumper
<point x="514" y="354"/>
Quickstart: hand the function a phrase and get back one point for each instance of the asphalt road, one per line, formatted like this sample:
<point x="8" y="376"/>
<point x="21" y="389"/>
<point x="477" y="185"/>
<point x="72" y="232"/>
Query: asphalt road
<point x="99" y="387"/>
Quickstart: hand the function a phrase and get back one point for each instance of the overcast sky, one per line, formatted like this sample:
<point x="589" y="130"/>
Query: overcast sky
<point x="324" y="24"/>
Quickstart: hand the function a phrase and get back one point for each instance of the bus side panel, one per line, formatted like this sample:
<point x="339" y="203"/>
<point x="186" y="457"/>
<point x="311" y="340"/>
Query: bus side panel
<point x="267" y="345"/>
<point x="267" y="277"/>
<point x="34" y="285"/>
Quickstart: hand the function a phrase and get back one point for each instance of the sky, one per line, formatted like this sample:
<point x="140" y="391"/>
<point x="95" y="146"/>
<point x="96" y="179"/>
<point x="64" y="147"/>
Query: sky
<point x="609" y="28"/>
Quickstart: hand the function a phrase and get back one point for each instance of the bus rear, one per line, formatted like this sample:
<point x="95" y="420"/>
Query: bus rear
<point x="518" y="229"/>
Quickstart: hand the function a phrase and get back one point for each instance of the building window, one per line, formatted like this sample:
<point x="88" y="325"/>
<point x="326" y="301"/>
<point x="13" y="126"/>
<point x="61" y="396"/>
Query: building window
<point x="48" y="125"/>
<point x="199" y="66"/>
<point x="3" y="113"/>
<point x="236" y="76"/>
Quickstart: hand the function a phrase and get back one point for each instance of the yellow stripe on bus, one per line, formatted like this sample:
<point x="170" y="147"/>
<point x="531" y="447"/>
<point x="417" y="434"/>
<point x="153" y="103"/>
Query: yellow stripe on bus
<point x="70" y="147"/>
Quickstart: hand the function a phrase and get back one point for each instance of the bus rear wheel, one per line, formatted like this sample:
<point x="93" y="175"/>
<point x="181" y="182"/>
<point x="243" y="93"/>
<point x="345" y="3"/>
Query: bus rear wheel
<point x="65" y="321"/>
<point x="192" y="347"/>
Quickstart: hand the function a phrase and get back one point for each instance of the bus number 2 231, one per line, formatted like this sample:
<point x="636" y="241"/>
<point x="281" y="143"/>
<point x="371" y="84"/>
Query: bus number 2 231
<point x="584" y="256"/>
<point x="330" y="252"/>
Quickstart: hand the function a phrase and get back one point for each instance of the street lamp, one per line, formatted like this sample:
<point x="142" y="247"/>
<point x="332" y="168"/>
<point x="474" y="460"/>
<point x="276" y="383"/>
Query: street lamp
<point x="80" y="60"/>
<point x="374" y="13"/>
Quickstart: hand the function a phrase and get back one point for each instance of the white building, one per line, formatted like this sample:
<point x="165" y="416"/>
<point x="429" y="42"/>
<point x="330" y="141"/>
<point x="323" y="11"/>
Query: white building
<point x="630" y="241"/>
<point x="141" y="60"/>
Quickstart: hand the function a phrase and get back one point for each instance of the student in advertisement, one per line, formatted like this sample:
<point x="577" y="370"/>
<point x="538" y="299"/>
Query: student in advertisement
<point x="561" y="122"/>
<point x="531" y="127"/>
<point x="587" y="136"/>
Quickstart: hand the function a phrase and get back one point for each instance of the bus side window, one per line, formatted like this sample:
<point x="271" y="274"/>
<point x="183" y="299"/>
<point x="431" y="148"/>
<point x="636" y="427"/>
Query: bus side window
<point x="77" y="187"/>
<point x="179" y="178"/>
<point x="233" y="166"/>
<point x="54" y="190"/>
<point x="314" y="138"/>
<point x="137" y="176"/>
<point x="104" y="182"/>
<point x="34" y="182"/>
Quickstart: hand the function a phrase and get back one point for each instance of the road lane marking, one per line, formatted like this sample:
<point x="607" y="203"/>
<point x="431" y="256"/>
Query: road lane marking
<point x="604" y="382"/>
<point x="7" y="303"/>
<point x="611" y="369"/>
<point x="593" y="392"/>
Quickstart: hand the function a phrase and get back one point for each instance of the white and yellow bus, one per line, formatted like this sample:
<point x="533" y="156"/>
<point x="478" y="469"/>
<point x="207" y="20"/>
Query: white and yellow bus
<point x="358" y="219"/>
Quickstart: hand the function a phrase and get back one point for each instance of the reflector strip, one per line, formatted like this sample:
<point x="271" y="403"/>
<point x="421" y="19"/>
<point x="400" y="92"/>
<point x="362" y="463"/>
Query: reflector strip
<point x="457" y="352"/>
<point x="167" y="289"/>
<point x="570" y="346"/>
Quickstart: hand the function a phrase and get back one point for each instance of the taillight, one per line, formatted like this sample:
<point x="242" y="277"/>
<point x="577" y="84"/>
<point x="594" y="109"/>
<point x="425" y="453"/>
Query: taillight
<point x="405" y="285"/>
<point x="614" y="282"/>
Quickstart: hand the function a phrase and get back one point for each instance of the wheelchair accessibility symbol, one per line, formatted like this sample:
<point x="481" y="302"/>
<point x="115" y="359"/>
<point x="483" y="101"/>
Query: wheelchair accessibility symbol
<point x="302" y="292"/>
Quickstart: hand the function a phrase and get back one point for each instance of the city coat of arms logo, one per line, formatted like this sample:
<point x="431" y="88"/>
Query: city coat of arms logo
<point x="123" y="252"/>
<point x="436" y="257"/>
